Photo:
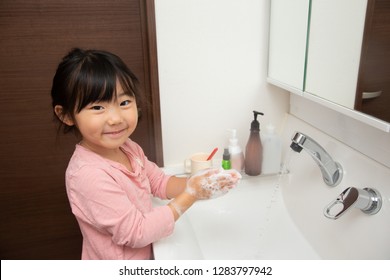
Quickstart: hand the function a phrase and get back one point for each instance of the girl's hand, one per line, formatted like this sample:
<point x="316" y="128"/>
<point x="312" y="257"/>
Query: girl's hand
<point x="212" y="183"/>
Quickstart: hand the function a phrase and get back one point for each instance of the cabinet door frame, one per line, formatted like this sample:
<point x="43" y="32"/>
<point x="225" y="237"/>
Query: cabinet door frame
<point x="150" y="41"/>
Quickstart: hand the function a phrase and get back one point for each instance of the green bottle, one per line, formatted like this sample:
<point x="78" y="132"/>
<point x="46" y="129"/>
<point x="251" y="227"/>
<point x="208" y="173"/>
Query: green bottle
<point x="226" y="164"/>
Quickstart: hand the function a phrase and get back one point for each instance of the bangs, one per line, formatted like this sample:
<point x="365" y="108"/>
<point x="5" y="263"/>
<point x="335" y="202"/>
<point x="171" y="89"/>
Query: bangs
<point x="96" y="82"/>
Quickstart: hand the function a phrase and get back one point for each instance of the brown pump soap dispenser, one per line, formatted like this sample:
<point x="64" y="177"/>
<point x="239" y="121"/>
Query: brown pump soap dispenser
<point x="254" y="148"/>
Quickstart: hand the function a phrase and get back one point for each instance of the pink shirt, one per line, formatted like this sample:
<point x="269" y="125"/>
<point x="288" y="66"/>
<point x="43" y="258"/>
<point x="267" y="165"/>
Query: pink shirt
<point x="113" y="205"/>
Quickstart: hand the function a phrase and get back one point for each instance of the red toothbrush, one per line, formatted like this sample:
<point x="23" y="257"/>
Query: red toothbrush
<point x="212" y="154"/>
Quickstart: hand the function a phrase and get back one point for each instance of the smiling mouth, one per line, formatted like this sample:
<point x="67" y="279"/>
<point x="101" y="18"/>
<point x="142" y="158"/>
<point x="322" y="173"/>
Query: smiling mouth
<point x="116" y="132"/>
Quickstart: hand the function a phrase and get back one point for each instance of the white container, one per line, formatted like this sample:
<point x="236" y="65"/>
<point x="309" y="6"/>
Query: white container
<point x="272" y="151"/>
<point x="236" y="154"/>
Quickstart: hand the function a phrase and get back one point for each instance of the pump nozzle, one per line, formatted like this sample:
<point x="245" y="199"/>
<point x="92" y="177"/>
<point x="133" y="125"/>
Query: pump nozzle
<point x="255" y="125"/>
<point x="255" y="113"/>
<point x="233" y="133"/>
<point x="233" y="136"/>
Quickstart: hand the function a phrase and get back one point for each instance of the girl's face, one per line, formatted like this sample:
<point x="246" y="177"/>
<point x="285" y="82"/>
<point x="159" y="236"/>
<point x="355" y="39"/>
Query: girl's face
<point x="106" y="125"/>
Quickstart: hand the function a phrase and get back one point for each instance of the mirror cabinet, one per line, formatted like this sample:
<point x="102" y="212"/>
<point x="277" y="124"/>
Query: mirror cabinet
<point x="333" y="50"/>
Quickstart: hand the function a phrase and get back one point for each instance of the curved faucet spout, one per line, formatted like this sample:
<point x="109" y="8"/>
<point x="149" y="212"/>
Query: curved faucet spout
<point x="332" y="172"/>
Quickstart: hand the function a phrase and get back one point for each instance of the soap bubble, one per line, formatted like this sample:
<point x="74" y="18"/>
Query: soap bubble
<point x="212" y="183"/>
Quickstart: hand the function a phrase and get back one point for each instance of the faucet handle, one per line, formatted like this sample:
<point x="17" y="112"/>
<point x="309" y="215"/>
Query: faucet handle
<point x="368" y="200"/>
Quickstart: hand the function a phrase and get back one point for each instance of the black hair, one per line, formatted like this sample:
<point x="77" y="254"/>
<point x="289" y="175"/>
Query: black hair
<point x="87" y="76"/>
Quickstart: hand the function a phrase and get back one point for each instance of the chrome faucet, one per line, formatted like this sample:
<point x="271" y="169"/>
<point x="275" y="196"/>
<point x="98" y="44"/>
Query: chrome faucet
<point x="368" y="200"/>
<point x="332" y="172"/>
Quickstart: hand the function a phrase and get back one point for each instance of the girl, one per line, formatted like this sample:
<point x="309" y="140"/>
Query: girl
<point x="109" y="180"/>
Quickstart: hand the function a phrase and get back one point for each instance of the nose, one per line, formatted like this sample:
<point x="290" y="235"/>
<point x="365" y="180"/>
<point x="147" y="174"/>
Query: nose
<point x="114" y="116"/>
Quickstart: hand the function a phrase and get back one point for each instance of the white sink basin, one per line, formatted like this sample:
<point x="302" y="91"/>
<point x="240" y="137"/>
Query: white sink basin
<point x="274" y="217"/>
<point x="250" y="222"/>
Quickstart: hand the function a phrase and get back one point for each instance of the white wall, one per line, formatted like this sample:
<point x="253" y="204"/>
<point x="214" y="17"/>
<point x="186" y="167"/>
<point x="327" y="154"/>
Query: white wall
<point x="212" y="57"/>
<point x="367" y="139"/>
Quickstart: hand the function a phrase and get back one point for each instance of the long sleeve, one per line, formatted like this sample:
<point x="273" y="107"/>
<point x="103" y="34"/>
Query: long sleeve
<point x="114" y="209"/>
<point x="101" y="202"/>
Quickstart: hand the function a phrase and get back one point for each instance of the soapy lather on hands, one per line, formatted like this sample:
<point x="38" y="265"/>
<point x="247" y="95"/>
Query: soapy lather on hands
<point x="205" y="184"/>
<point x="212" y="183"/>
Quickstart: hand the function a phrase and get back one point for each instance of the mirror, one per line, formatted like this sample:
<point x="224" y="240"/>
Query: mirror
<point x="348" y="54"/>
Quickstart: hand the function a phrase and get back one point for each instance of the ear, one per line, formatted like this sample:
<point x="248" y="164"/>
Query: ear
<point x="65" y="118"/>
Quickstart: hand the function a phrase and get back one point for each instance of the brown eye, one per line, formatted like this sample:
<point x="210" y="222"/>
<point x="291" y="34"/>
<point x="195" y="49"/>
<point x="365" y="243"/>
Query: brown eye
<point x="126" y="102"/>
<point x="97" y="108"/>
